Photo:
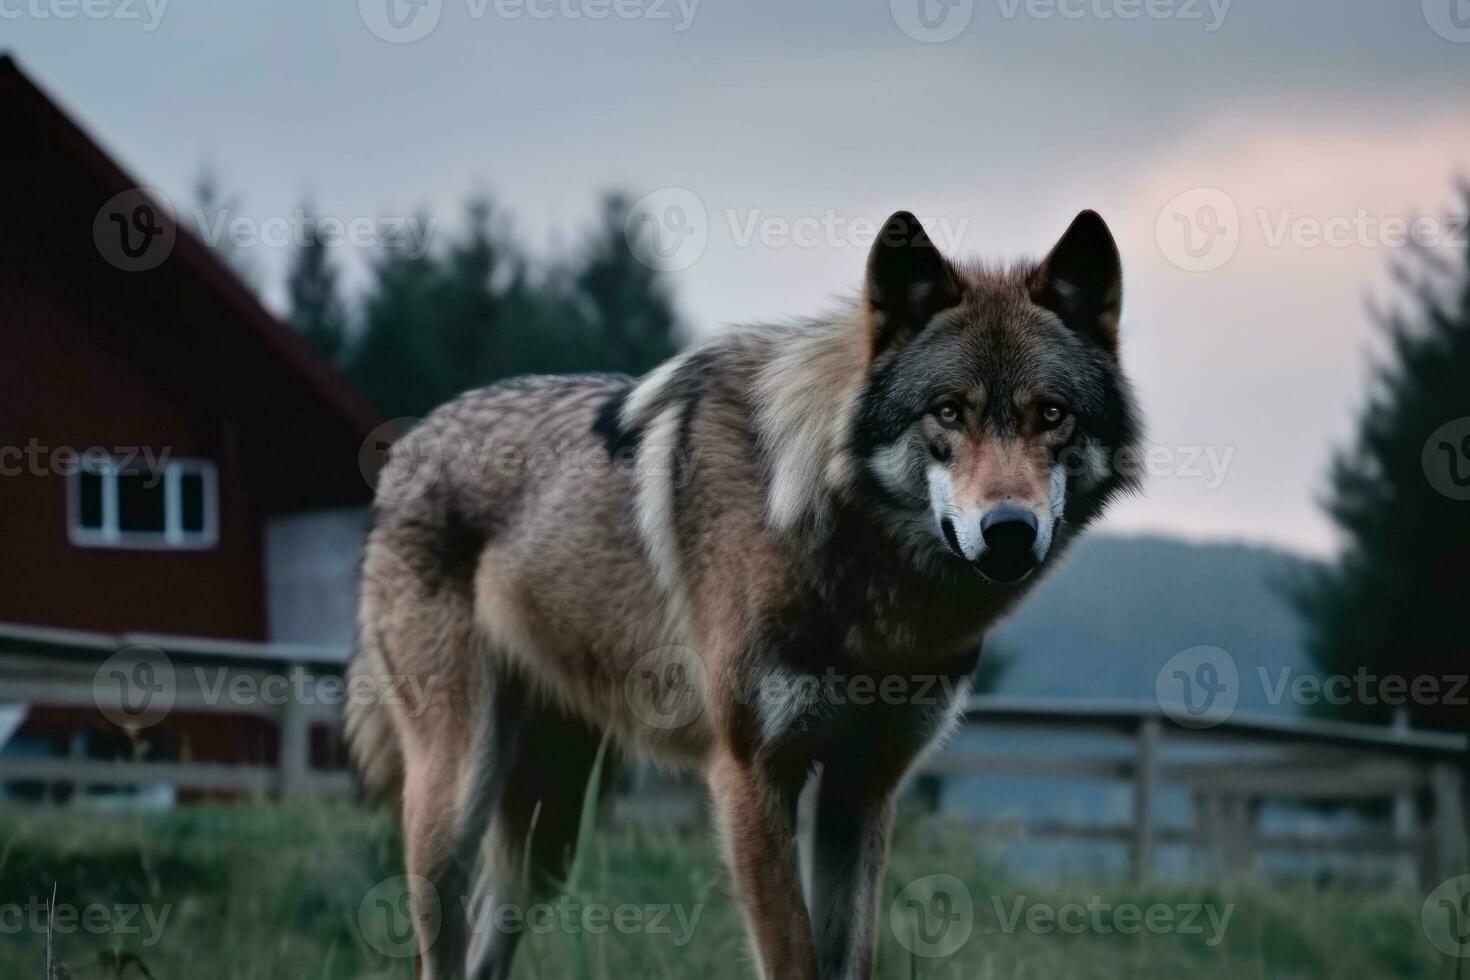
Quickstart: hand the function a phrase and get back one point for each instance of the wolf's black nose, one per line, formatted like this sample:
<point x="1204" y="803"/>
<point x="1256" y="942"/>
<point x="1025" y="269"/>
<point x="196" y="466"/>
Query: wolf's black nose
<point x="1009" y="530"/>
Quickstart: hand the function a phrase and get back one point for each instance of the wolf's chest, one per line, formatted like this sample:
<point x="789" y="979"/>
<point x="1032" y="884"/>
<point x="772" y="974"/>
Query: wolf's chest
<point x="840" y="715"/>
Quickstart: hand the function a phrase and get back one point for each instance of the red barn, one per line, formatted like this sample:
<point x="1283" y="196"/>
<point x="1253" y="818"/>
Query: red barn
<point x="176" y="464"/>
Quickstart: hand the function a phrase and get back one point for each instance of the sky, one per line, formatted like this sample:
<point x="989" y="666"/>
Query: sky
<point x="1258" y="162"/>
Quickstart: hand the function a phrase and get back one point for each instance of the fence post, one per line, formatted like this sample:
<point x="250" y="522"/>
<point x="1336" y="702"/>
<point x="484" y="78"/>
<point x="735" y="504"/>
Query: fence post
<point x="1407" y="824"/>
<point x="1145" y="783"/>
<point x="294" y="737"/>
<point x="1451" y="849"/>
<point x="1210" y="833"/>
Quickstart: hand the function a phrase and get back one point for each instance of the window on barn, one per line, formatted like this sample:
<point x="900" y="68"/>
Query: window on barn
<point x="127" y="504"/>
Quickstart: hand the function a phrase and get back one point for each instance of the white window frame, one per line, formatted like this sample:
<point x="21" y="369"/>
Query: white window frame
<point x="173" y="536"/>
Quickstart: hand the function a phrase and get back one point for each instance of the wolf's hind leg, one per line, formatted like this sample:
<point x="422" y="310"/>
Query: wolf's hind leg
<point x="459" y="759"/>
<point x="533" y="833"/>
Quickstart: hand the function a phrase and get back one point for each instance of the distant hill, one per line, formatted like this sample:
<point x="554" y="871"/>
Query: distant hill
<point x="1104" y="623"/>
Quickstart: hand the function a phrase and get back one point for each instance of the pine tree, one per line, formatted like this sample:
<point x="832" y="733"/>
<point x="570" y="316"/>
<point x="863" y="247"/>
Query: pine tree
<point x="625" y="299"/>
<point x="396" y="363"/>
<point x="477" y="310"/>
<point x="214" y="210"/>
<point x="1394" y="604"/>
<point x="469" y="307"/>
<point x="316" y="307"/>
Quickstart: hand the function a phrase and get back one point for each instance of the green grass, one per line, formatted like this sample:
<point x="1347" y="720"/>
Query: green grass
<point x="254" y="893"/>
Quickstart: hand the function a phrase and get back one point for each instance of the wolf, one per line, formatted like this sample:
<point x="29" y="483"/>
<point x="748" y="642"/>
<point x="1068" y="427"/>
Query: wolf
<point x="771" y="560"/>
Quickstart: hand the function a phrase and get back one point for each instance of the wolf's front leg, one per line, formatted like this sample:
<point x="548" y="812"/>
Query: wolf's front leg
<point x="755" y="810"/>
<point x="849" y="849"/>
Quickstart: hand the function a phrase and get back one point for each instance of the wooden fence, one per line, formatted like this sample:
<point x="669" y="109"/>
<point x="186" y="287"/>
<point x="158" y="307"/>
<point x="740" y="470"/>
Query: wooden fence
<point x="1229" y="771"/>
<point x="56" y="671"/>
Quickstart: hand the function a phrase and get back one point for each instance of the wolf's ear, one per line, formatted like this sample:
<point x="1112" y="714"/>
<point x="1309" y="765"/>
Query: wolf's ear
<point x="1081" y="281"/>
<point x="908" y="282"/>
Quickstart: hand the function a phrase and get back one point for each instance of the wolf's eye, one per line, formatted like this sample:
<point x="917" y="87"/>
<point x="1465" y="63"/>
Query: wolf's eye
<point x="1053" y="415"/>
<point x="948" y="414"/>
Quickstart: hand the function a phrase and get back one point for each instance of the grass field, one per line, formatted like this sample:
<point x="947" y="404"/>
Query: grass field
<point x="246" y="893"/>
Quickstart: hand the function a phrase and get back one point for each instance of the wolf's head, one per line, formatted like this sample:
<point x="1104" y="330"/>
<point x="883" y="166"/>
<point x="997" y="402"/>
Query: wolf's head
<point x="995" y="407"/>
